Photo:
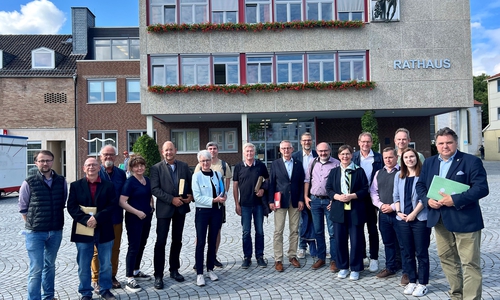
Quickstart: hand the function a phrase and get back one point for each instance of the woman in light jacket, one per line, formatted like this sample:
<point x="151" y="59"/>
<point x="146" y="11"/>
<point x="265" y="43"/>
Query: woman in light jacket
<point x="412" y="223"/>
<point x="209" y="197"/>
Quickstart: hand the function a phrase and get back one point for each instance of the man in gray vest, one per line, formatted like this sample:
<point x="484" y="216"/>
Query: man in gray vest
<point x="42" y="199"/>
<point x="381" y="193"/>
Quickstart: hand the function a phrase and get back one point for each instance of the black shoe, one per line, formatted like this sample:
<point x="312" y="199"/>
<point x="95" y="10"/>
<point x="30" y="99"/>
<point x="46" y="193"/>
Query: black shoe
<point x="158" y="283"/>
<point x="175" y="275"/>
<point x="261" y="262"/>
<point x="194" y="267"/>
<point x="107" y="295"/>
<point x="247" y="262"/>
<point x="86" y="298"/>
<point x="218" y="264"/>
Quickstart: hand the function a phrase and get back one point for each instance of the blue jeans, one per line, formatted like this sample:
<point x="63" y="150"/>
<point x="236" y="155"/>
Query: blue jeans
<point x="84" y="257"/>
<point x="319" y="212"/>
<point x="42" y="247"/>
<point x="416" y="237"/>
<point x="246" y="222"/>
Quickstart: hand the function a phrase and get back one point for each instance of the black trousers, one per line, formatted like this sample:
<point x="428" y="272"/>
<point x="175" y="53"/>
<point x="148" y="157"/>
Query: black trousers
<point x="162" y="228"/>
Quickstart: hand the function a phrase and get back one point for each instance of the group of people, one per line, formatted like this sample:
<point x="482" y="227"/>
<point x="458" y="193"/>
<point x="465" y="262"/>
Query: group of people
<point x="308" y="187"/>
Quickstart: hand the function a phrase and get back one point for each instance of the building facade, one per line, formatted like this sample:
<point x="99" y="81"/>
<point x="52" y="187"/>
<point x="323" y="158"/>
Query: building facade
<point x="492" y="131"/>
<point x="316" y="66"/>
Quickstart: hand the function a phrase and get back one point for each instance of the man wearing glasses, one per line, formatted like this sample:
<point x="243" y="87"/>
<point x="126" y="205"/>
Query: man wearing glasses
<point x="91" y="203"/>
<point x="287" y="185"/>
<point x="109" y="172"/>
<point x="42" y="199"/>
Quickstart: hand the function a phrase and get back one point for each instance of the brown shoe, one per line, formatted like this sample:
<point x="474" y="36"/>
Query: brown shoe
<point x="278" y="266"/>
<point x="385" y="273"/>
<point x="404" y="280"/>
<point x="294" y="262"/>
<point x="318" y="264"/>
<point x="115" y="283"/>
<point x="333" y="267"/>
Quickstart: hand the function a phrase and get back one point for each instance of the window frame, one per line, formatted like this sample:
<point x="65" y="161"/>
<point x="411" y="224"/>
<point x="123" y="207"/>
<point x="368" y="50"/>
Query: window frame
<point x="193" y="5"/>
<point x="182" y="148"/>
<point x="321" y="62"/>
<point x="498" y="86"/>
<point x="288" y="4"/>
<point x="352" y="60"/>
<point x="103" y="92"/>
<point x="257" y="4"/>
<point x="226" y="64"/>
<point x="350" y="12"/>
<point x="133" y="80"/>
<point x="320" y="9"/>
<point x="1" y="59"/>
<point x="162" y="4"/>
<point x="498" y="113"/>
<point x="110" y="48"/>
<point x="42" y="50"/>
<point x="227" y="139"/>
<point x="141" y="132"/>
<point x="271" y="61"/>
<point x="196" y="69"/>
<point x="30" y="163"/>
<point x="101" y="143"/>
<point x="170" y="61"/>
<point x="289" y="64"/>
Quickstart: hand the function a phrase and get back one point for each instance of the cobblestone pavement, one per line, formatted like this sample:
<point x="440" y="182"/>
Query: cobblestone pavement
<point x="234" y="282"/>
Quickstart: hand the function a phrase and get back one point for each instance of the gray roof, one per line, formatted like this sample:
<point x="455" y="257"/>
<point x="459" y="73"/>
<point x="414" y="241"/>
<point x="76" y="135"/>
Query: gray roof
<point x="17" y="55"/>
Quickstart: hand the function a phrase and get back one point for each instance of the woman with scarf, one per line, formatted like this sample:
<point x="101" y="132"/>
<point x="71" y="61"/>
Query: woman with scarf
<point x="347" y="187"/>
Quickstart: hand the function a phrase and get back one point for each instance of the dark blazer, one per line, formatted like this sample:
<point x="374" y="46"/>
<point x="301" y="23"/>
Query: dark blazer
<point x="299" y="155"/>
<point x="466" y="215"/>
<point x="378" y="162"/>
<point x="359" y="185"/>
<point x="292" y="190"/>
<point x="162" y="186"/>
<point x="106" y="202"/>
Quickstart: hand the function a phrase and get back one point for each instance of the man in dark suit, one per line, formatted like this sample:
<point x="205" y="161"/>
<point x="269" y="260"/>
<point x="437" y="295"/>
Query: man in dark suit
<point x="371" y="162"/>
<point x="99" y="195"/>
<point x="457" y="218"/>
<point x="172" y="205"/>
<point x="287" y="181"/>
<point x="306" y="227"/>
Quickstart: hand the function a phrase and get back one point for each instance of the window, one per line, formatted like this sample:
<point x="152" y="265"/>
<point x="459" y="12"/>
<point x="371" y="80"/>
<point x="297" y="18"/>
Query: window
<point x="350" y="10"/>
<point x="133" y="90"/>
<point x="498" y="113"/>
<point x="1" y="59"/>
<point x="163" y="11"/>
<point x="319" y="10"/>
<point x="102" y="91"/>
<point x="259" y="69"/>
<point x="195" y="70"/>
<point x="194" y="11"/>
<point x="109" y="49"/>
<point x="498" y="85"/>
<point x="186" y="140"/>
<point x="42" y="58"/>
<point x="288" y="10"/>
<point x="290" y="68"/>
<point x="321" y="67"/>
<point x="164" y="70"/>
<point x="352" y="67"/>
<point x="132" y="137"/>
<point x="224" y="11"/>
<point x="99" y="139"/>
<point x="226" y="70"/>
<point x="33" y="148"/>
<point x="258" y="11"/>
<point x="226" y="138"/>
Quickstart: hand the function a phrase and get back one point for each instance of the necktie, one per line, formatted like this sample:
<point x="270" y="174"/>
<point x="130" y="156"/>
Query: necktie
<point x="172" y="173"/>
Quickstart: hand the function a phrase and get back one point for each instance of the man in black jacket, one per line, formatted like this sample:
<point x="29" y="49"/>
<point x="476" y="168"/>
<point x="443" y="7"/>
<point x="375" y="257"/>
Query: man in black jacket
<point x="42" y="198"/>
<point x="91" y="203"/>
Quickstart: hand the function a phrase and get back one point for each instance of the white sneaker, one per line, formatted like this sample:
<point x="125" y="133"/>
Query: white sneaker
<point x="354" y="275"/>
<point x="301" y="253"/>
<point x="366" y="261"/>
<point x="420" y="290"/>
<point x="373" y="265"/>
<point x="200" y="281"/>
<point x="410" y="287"/>
<point x="212" y="276"/>
<point x="343" y="273"/>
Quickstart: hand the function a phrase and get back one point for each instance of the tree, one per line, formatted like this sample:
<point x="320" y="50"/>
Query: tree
<point x="146" y="147"/>
<point x="480" y="87"/>
<point x="370" y="124"/>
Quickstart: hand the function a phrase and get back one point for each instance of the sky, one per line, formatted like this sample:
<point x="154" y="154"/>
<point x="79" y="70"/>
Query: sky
<point x="54" y="17"/>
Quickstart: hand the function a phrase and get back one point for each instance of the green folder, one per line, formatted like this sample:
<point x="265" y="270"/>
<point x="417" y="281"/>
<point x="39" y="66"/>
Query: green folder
<point x="445" y="185"/>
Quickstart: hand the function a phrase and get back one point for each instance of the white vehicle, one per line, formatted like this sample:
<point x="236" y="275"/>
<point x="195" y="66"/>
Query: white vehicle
<point x="12" y="163"/>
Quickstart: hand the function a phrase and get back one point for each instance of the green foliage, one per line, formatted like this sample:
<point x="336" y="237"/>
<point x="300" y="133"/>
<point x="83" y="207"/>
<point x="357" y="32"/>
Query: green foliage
<point x="148" y="149"/>
<point x="370" y="124"/>
<point x="481" y="95"/>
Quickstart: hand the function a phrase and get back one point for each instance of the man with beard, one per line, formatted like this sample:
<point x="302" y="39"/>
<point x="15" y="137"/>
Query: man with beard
<point x="117" y="176"/>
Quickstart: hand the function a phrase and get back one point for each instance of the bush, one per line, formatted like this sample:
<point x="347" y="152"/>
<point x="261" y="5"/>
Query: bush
<point x="146" y="147"/>
<point x="369" y="124"/>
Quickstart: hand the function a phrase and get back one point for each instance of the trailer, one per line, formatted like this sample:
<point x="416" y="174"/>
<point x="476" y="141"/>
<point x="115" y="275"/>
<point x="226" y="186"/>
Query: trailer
<point x="12" y="163"/>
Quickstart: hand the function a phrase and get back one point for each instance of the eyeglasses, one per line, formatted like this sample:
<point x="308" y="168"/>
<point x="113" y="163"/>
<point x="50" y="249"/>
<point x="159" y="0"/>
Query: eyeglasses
<point x="45" y="161"/>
